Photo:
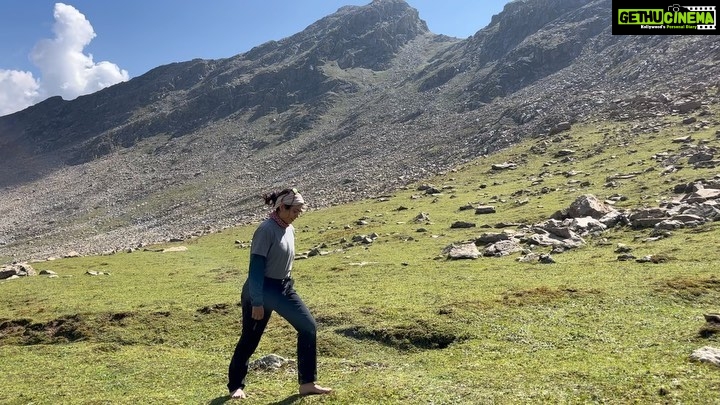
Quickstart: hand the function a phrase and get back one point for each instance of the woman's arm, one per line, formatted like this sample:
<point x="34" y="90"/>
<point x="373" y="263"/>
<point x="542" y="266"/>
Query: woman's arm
<point x="256" y="278"/>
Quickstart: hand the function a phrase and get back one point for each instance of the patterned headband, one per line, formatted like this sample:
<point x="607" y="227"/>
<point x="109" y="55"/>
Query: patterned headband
<point x="291" y="198"/>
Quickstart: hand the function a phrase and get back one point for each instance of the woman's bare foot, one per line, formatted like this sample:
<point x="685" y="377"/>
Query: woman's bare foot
<point x="238" y="394"/>
<point x="313" y="389"/>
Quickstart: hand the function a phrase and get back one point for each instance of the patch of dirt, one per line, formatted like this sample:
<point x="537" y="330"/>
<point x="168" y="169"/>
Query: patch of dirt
<point x="421" y="335"/>
<point x="65" y="329"/>
<point x="709" y="330"/>
<point x="689" y="288"/>
<point x="215" y="308"/>
<point x="119" y="317"/>
<point x="10" y="327"/>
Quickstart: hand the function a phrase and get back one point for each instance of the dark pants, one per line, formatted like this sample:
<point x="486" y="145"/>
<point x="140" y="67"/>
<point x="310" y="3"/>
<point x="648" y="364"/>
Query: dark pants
<point x="278" y="296"/>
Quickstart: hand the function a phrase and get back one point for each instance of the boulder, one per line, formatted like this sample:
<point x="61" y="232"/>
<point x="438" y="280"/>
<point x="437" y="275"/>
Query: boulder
<point x="701" y="195"/>
<point x="463" y="251"/>
<point x="484" y="209"/>
<point x="270" y="362"/>
<point x="502" y="248"/>
<point x="588" y="206"/>
<point x="17" y="269"/>
<point x="707" y="354"/>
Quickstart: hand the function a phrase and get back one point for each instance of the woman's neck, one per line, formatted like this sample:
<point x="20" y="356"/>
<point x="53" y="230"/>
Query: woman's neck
<point x="275" y="217"/>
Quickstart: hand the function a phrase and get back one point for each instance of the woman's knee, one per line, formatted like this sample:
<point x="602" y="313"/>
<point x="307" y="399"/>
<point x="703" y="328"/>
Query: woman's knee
<point x="307" y="327"/>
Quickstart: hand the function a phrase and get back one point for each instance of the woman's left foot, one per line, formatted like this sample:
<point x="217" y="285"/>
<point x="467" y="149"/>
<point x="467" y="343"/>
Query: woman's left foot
<point x="313" y="389"/>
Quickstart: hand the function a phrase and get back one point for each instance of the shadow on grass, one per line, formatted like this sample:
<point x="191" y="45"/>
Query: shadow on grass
<point x="287" y="401"/>
<point x="220" y="400"/>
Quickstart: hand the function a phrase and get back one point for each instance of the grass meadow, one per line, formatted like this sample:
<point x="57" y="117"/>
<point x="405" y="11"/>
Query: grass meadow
<point x="398" y="322"/>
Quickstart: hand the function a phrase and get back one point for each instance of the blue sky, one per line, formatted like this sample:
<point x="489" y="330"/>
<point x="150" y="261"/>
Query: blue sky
<point x="77" y="47"/>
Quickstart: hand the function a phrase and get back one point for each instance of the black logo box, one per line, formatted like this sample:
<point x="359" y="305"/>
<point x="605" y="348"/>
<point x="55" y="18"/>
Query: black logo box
<point x="673" y="28"/>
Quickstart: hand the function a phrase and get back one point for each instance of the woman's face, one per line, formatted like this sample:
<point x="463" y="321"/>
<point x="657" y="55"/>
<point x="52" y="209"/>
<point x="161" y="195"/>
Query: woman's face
<point x="288" y="215"/>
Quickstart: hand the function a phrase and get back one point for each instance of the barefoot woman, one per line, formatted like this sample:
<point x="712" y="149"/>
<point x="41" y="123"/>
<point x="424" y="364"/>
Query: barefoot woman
<point x="269" y="288"/>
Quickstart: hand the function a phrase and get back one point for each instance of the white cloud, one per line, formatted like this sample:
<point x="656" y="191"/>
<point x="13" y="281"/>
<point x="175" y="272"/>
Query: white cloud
<point x="17" y="91"/>
<point x="64" y="69"/>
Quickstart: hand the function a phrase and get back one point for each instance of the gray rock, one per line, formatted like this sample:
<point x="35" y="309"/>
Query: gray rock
<point x="687" y="106"/>
<point x="486" y="238"/>
<point x="462" y="224"/>
<point x="707" y="354"/>
<point x="669" y="224"/>
<point x="17" y="269"/>
<point x="502" y="248"/>
<point x="7" y="273"/>
<point x="546" y="259"/>
<point x="504" y="166"/>
<point x="588" y="206"/>
<point x="270" y="362"/>
<point x="560" y="127"/>
<point x="464" y="251"/>
<point x="623" y="248"/>
<point x="529" y="258"/>
<point x="702" y="195"/>
<point x="712" y="318"/>
<point x="485" y="209"/>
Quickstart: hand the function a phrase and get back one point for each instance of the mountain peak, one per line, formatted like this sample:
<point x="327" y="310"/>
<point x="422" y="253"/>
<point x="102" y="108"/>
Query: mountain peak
<point x="355" y="36"/>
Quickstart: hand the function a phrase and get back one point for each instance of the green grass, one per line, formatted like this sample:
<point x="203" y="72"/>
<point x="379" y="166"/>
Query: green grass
<point x="398" y="323"/>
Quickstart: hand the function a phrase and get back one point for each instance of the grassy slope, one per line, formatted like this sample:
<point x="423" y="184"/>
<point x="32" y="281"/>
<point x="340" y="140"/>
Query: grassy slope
<point x="161" y="327"/>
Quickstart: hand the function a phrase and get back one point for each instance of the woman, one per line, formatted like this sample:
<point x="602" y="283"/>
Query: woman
<point x="269" y="288"/>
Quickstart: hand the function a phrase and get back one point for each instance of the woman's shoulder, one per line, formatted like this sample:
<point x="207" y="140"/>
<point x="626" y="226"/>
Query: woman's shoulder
<point x="270" y="227"/>
<point x="264" y="226"/>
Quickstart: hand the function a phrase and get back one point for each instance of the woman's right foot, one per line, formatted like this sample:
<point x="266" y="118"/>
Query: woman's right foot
<point x="313" y="389"/>
<point x="238" y="394"/>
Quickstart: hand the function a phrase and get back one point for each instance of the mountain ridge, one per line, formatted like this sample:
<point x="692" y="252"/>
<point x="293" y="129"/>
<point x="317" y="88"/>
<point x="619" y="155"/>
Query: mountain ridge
<point x="185" y="148"/>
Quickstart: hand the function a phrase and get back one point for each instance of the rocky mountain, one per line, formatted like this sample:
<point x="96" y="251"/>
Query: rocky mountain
<point x="360" y="102"/>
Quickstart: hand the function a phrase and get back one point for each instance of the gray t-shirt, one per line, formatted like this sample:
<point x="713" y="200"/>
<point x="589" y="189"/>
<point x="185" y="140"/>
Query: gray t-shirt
<point x="277" y="245"/>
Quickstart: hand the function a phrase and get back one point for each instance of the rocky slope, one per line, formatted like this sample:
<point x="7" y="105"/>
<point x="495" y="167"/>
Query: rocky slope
<point x="358" y="103"/>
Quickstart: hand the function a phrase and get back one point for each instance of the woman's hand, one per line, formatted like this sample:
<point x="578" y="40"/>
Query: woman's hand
<point x="258" y="313"/>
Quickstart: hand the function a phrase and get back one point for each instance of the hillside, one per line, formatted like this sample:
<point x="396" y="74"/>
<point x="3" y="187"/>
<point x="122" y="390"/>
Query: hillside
<point x="359" y="103"/>
<point x="563" y="303"/>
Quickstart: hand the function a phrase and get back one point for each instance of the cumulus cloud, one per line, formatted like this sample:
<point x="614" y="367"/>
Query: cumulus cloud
<point x="17" y="91"/>
<point x="64" y="69"/>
